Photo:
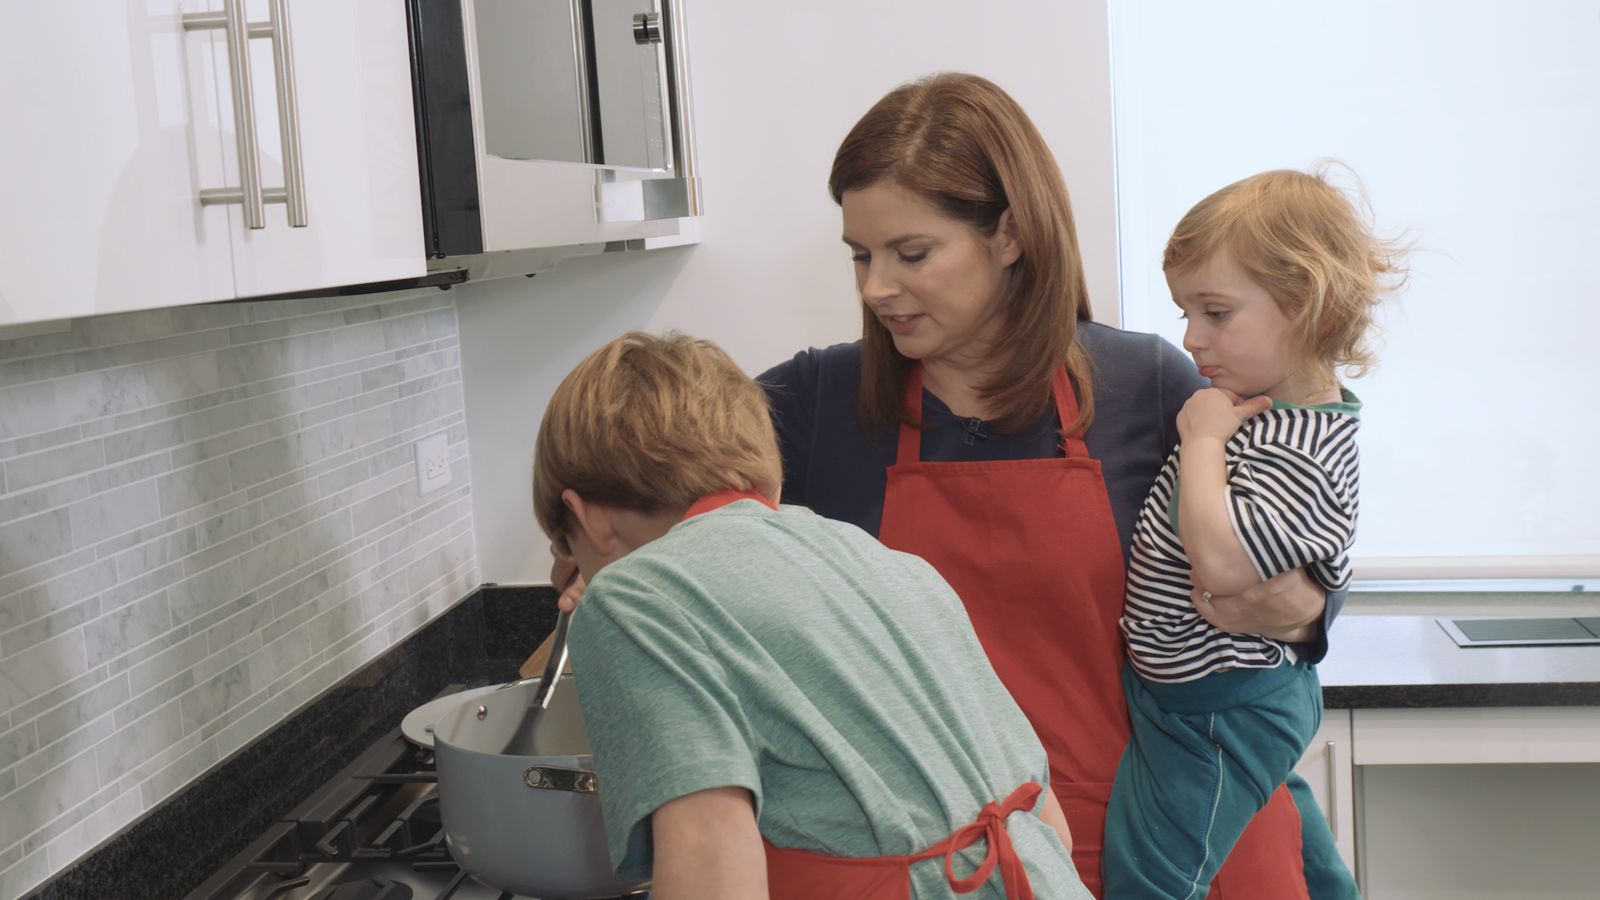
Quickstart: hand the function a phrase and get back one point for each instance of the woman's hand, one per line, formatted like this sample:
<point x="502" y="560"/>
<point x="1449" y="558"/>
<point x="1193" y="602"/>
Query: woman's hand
<point x="1287" y="607"/>
<point x="565" y="578"/>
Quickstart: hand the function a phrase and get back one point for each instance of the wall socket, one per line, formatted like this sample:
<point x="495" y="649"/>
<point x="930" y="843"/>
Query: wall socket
<point x="433" y="462"/>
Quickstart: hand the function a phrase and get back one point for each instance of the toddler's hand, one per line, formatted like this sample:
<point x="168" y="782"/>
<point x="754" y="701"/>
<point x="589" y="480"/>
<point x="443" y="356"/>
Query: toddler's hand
<point x="1216" y="413"/>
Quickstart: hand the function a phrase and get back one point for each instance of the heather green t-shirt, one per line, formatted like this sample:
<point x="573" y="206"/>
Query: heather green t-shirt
<point x="839" y="681"/>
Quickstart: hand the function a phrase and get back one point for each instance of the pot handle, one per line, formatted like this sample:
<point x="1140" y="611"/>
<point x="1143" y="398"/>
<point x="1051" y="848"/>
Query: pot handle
<point x="552" y="778"/>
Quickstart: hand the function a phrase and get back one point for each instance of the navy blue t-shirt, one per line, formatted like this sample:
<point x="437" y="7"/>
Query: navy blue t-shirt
<point x="830" y="465"/>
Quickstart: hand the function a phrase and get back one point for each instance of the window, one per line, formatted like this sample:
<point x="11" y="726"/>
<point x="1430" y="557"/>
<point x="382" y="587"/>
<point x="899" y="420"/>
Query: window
<point x="1475" y="128"/>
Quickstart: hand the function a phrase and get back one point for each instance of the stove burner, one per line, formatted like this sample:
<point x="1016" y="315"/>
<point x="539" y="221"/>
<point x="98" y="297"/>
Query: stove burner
<point x="367" y="889"/>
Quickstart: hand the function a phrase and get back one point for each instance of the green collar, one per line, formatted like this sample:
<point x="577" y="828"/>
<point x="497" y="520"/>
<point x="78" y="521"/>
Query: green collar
<point x="1348" y="404"/>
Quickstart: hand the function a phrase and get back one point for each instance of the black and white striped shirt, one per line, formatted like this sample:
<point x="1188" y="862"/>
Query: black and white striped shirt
<point x="1293" y="474"/>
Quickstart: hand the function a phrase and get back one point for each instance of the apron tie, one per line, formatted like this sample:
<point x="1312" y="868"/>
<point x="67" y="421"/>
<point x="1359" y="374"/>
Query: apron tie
<point x="990" y="826"/>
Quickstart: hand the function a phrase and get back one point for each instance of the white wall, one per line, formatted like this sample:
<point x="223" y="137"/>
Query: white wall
<point x="774" y="93"/>
<point x="1479" y="148"/>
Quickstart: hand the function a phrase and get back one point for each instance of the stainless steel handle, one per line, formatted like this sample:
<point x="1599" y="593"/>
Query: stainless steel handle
<point x="580" y="61"/>
<point x="250" y="194"/>
<point x="557" y="661"/>
<point x="237" y="32"/>
<point x="555" y="778"/>
<point x="683" y="151"/>
<point x="1332" y="812"/>
<point x="294" y="188"/>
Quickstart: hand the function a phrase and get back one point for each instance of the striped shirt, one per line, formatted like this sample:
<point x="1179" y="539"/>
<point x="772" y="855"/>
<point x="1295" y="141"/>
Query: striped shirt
<point x="1293" y="474"/>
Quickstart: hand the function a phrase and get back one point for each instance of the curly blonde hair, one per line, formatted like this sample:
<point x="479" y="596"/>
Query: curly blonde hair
<point x="650" y="424"/>
<point x="1302" y="239"/>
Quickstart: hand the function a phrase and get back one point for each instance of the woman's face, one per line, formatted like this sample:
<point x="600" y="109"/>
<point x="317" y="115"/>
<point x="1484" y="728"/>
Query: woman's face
<point x="931" y="280"/>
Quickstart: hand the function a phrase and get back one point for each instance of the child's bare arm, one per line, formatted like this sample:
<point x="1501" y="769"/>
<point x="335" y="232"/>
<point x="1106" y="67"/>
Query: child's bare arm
<point x="1217" y="559"/>
<point x="707" y="847"/>
<point x="1051" y="814"/>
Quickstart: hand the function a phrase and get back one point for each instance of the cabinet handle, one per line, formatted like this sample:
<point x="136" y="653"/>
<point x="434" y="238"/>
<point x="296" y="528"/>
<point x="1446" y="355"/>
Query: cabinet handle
<point x="250" y="193"/>
<point x="237" y="32"/>
<point x="1332" y="812"/>
<point x="294" y="188"/>
<point x="582" y="43"/>
<point x="683" y="151"/>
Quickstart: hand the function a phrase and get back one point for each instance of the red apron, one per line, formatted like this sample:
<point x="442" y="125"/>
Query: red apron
<point x="1032" y="549"/>
<point x="802" y="875"/>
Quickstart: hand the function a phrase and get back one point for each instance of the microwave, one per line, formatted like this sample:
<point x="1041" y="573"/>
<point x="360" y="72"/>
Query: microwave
<point x="551" y="128"/>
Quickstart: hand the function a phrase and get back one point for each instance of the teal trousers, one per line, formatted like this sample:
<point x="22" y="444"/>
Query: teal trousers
<point x="1204" y="757"/>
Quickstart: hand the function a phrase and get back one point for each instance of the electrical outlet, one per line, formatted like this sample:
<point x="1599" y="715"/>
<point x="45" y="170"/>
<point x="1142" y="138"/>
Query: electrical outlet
<point x="433" y="462"/>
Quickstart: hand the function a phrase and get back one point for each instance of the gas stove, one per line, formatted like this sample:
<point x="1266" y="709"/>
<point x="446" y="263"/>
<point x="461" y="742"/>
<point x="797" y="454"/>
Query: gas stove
<point x="372" y="832"/>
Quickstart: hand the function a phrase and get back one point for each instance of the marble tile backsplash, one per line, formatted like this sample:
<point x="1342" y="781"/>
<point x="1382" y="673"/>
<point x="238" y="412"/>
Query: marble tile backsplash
<point x="208" y="515"/>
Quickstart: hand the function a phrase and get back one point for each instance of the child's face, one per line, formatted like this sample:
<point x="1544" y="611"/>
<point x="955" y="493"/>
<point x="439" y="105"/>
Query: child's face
<point x="1236" y="333"/>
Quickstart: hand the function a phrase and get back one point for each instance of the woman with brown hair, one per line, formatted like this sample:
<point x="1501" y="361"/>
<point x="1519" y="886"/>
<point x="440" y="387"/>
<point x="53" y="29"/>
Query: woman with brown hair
<point x="984" y="423"/>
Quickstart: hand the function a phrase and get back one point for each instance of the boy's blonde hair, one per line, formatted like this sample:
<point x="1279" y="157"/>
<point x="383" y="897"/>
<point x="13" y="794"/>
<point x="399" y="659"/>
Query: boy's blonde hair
<point x="649" y="424"/>
<point x="1305" y="242"/>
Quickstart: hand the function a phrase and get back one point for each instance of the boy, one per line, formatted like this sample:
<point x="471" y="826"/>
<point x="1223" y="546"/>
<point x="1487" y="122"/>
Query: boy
<point x="778" y="705"/>
<point x="1277" y="276"/>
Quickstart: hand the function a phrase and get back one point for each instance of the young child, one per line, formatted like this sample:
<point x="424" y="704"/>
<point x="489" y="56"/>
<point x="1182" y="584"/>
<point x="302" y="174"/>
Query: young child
<point x="755" y="677"/>
<point x="1277" y="276"/>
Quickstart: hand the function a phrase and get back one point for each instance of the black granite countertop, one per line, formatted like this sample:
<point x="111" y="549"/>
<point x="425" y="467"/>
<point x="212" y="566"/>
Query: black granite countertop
<point x="1392" y="661"/>
<point x="482" y="639"/>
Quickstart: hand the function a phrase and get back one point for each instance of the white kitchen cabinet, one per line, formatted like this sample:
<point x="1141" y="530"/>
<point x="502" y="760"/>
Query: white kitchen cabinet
<point x="110" y="132"/>
<point x="118" y="117"/>
<point x="1327" y="767"/>
<point x="1477" y="735"/>
<point x="357" y="140"/>
<point x="1470" y="802"/>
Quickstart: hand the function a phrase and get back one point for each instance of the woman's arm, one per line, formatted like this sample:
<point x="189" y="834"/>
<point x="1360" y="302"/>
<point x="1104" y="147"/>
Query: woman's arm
<point x="707" y="847"/>
<point x="1287" y="607"/>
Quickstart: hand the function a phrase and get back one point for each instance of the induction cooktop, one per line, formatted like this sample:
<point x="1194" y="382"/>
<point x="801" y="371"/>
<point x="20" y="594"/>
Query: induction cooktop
<point x="1550" y="631"/>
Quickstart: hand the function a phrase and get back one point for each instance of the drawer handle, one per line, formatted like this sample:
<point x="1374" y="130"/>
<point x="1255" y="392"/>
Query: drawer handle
<point x="1332" y="812"/>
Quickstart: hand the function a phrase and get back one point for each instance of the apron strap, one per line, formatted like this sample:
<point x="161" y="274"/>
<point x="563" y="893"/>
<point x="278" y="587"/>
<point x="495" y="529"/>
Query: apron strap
<point x="1067" y="411"/>
<point x="990" y="826"/>
<point x="911" y="435"/>
<point x="910" y="446"/>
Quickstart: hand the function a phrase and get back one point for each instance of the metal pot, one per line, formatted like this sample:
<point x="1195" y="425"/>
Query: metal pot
<point x="529" y="824"/>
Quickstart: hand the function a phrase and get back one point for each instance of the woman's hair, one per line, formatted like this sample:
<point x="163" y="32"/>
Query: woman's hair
<point x="649" y="424"/>
<point x="966" y="147"/>
<point x="1304" y="241"/>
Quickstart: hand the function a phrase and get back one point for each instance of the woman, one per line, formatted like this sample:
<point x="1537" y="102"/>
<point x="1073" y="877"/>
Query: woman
<point x="985" y="424"/>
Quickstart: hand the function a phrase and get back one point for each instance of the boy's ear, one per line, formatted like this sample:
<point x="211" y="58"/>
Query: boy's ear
<point x="595" y="521"/>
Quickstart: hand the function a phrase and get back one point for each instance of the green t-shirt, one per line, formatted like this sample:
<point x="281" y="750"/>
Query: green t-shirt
<point x="837" y="680"/>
